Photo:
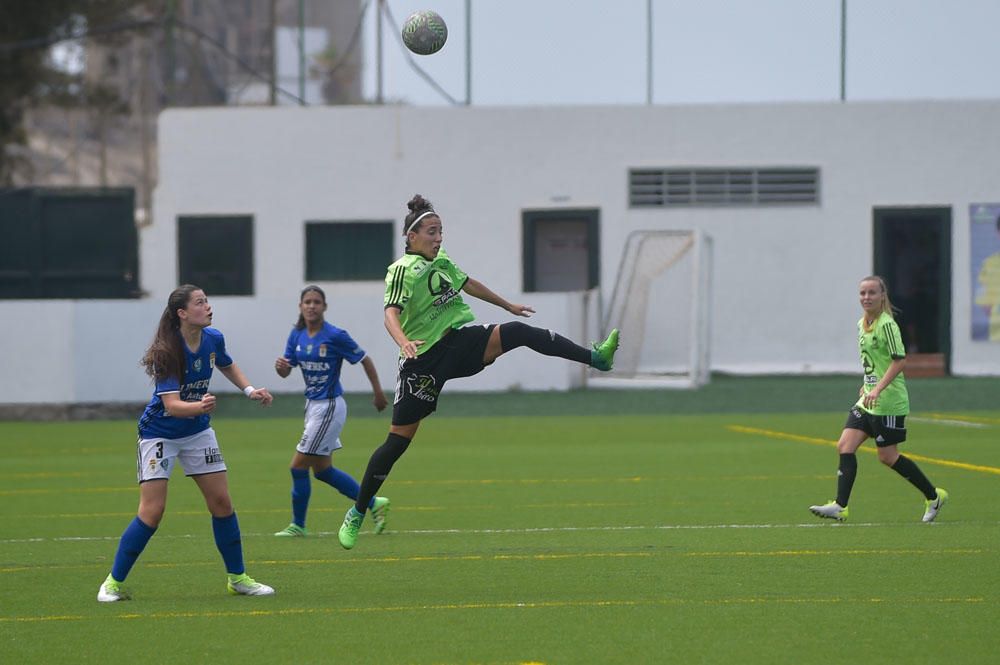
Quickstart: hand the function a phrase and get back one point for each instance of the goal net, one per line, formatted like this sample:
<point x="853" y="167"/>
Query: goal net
<point x="661" y="304"/>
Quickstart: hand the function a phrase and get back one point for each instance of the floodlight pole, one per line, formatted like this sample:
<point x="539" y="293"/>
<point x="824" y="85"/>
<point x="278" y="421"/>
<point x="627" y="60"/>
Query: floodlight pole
<point x="843" y="50"/>
<point x="468" y="52"/>
<point x="649" y="52"/>
<point x="379" y="8"/>
<point x="302" y="52"/>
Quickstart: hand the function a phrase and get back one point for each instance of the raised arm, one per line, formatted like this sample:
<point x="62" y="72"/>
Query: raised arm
<point x="477" y="289"/>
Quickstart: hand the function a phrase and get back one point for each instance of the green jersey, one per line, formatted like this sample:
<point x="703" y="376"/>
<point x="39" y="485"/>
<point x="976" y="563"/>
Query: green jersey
<point x="878" y="349"/>
<point x="428" y="295"/>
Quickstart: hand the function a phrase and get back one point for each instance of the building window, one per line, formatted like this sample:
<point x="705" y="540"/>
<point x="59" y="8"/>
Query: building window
<point x="348" y="251"/>
<point x="215" y="252"/>
<point x="68" y="243"/>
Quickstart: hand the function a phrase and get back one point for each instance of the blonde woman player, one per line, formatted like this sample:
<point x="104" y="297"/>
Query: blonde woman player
<point x="174" y="429"/>
<point x="319" y="349"/>
<point x="426" y="316"/>
<point x="880" y="412"/>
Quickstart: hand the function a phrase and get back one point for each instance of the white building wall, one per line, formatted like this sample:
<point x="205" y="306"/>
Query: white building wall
<point x="784" y="276"/>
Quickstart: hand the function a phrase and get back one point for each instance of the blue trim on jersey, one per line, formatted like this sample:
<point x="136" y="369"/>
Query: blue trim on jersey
<point x="320" y="358"/>
<point x="155" y="421"/>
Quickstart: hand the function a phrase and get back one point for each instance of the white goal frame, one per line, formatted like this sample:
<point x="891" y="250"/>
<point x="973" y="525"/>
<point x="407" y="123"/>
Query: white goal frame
<point x="646" y="261"/>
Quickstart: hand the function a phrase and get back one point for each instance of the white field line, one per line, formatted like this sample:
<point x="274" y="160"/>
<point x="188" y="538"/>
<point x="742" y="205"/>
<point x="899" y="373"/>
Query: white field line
<point x="531" y="530"/>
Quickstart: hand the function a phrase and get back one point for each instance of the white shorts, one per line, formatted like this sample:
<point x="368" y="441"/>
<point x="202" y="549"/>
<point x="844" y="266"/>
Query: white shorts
<point x="198" y="454"/>
<point x="324" y="420"/>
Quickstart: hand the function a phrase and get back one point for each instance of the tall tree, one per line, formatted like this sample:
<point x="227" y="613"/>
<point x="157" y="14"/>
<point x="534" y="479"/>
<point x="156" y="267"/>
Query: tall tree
<point x="27" y="75"/>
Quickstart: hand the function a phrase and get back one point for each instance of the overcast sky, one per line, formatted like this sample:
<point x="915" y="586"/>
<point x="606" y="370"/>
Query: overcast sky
<point x="543" y="52"/>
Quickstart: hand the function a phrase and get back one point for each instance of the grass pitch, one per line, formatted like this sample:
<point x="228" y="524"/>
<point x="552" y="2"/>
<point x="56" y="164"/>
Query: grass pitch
<point x="614" y="537"/>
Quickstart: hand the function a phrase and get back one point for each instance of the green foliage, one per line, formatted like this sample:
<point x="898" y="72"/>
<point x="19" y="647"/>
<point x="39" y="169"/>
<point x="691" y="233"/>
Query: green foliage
<point x="603" y="538"/>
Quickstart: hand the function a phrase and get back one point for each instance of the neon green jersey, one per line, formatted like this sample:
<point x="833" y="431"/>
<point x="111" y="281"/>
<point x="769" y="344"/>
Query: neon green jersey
<point x="878" y="349"/>
<point x="428" y="295"/>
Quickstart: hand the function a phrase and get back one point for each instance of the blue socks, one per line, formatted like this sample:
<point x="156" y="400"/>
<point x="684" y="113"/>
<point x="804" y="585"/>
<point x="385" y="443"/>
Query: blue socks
<point x="301" y="490"/>
<point x="227" y="539"/>
<point x="340" y="481"/>
<point x="132" y="542"/>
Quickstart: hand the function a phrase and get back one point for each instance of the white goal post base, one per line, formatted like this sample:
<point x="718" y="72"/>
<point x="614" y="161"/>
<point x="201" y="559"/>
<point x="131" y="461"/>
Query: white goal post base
<point x="643" y="383"/>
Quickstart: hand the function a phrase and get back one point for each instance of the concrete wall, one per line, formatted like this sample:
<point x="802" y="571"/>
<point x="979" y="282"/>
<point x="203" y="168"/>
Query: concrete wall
<point x="784" y="277"/>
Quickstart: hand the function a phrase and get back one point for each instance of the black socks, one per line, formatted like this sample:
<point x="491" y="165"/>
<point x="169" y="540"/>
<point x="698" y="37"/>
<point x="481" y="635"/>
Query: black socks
<point x="907" y="468"/>
<point x="846" y="474"/>
<point x="515" y="333"/>
<point x="378" y="469"/>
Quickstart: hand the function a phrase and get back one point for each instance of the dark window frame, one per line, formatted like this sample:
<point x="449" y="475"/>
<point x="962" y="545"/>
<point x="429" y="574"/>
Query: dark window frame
<point x="225" y="267"/>
<point x="361" y="262"/>
<point x="69" y="243"/>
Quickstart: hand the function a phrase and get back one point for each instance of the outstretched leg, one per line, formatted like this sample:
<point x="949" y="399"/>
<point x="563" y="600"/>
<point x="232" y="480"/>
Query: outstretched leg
<point x="513" y="334"/>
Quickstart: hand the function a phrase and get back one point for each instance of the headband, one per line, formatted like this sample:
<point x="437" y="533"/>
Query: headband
<point x="419" y="217"/>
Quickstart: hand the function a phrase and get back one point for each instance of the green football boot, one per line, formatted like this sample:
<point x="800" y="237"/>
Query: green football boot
<point x="348" y="534"/>
<point x="603" y="356"/>
<point x="293" y="530"/>
<point x="380" y="513"/>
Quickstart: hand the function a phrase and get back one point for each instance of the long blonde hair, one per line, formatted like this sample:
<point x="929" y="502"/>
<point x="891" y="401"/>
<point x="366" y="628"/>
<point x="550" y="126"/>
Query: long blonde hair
<point x="887" y="307"/>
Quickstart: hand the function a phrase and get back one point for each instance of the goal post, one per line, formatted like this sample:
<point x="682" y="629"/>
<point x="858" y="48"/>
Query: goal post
<point x="661" y="303"/>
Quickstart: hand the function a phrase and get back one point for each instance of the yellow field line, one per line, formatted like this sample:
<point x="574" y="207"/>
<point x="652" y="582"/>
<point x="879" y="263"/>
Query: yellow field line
<point x="464" y="481"/>
<point x="366" y="560"/>
<point x="880" y="552"/>
<point x="827" y="442"/>
<point x="515" y="557"/>
<point x="529" y="605"/>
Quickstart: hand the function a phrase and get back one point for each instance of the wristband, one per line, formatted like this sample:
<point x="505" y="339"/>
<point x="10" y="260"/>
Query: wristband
<point x="248" y="390"/>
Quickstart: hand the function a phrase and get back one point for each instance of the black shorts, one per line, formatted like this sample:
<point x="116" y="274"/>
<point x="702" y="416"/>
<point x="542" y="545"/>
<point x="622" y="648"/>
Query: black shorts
<point x="457" y="354"/>
<point x="886" y="430"/>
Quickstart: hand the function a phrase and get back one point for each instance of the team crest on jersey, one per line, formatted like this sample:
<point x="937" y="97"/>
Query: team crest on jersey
<point x="322" y="350"/>
<point x="439" y="284"/>
<point x="309" y="349"/>
<point x="196" y="365"/>
<point x="211" y="360"/>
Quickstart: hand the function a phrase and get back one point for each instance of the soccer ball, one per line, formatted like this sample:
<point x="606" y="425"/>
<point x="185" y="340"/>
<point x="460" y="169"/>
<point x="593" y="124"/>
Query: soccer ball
<point x="424" y="32"/>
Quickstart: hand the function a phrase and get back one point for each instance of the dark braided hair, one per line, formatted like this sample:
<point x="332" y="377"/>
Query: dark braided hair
<point x="418" y="205"/>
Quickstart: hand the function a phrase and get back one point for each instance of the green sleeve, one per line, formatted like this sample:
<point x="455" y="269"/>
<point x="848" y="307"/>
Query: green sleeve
<point x="397" y="287"/>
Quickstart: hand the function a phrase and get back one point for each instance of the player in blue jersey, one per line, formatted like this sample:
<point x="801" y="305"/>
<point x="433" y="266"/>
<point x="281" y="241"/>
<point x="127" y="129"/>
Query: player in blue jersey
<point x="319" y="350"/>
<point x="174" y="429"/>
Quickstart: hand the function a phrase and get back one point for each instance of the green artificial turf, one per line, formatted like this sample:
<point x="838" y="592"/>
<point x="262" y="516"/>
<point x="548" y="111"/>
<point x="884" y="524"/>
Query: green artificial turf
<point x="540" y="534"/>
